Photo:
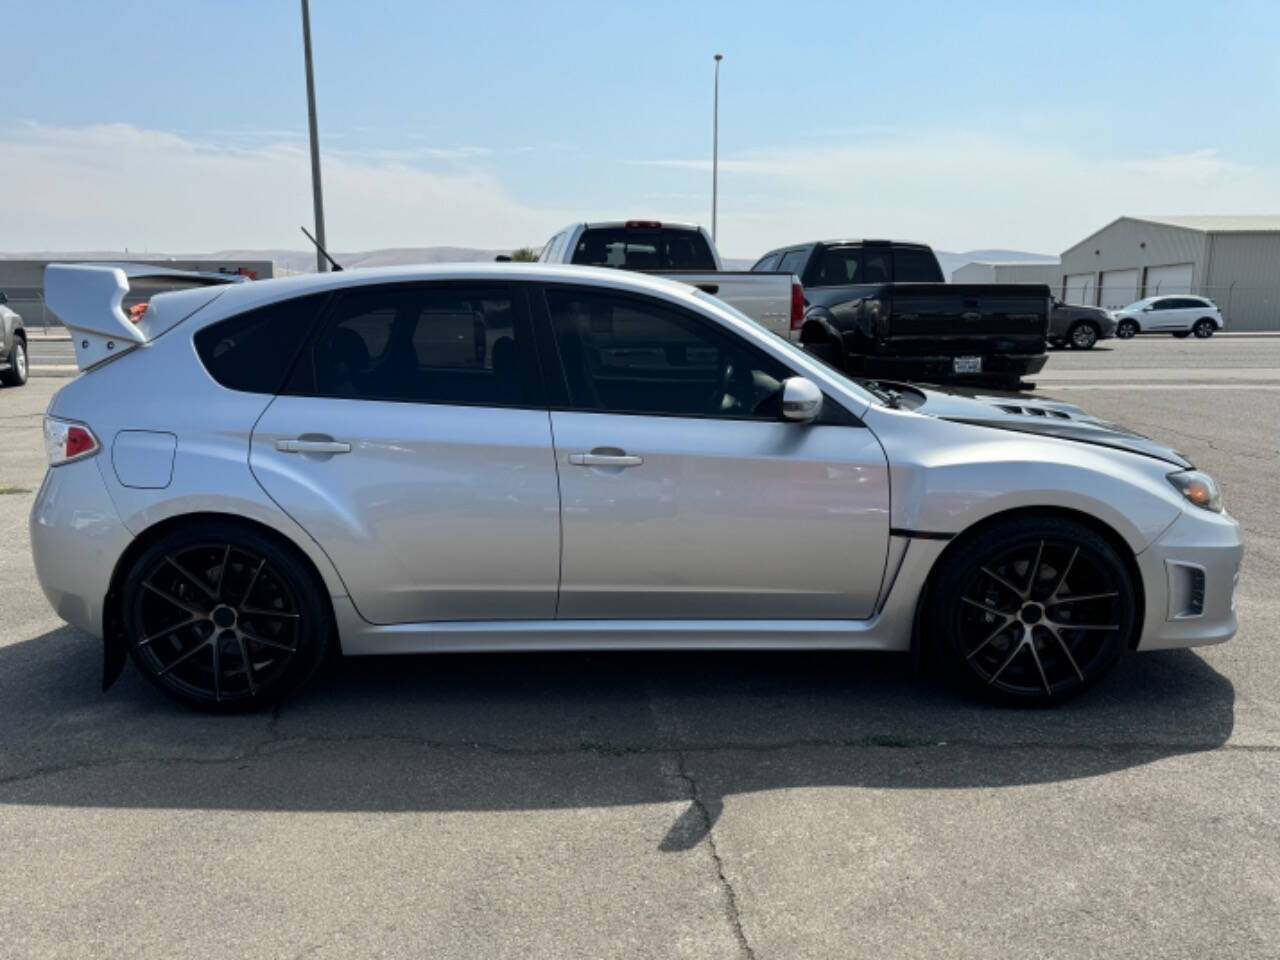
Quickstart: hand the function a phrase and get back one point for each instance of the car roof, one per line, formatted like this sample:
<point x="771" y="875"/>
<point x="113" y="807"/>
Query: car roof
<point x="244" y="296"/>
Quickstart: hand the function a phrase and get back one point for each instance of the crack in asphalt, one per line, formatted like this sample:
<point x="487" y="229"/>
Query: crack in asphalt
<point x="732" y="913"/>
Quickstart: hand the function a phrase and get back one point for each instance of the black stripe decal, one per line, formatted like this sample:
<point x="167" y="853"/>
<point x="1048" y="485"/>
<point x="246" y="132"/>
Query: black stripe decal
<point x="919" y="534"/>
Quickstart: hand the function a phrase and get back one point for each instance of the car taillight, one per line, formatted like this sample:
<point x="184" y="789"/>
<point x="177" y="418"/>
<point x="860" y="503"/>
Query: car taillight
<point x="797" y="305"/>
<point x="136" y="312"/>
<point x="65" y="441"/>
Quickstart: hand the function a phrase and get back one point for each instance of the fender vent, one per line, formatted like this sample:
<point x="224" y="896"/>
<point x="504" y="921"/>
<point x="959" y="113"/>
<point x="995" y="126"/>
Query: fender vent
<point x="1021" y="411"/>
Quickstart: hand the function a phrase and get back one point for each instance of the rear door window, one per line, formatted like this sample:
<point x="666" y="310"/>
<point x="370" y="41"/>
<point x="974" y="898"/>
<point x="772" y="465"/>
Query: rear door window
<point x="423" y="343"/>
<point x="913" y="265"/>
<point x="793" y="261"/>
<point x="253" y="351"/>
<point x="638" y="248"/>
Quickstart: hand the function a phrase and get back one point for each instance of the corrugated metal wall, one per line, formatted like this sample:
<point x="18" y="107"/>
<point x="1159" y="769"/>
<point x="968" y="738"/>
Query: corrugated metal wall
<point x="1129" y="243"/>
<point x="1050" y="273"/>
<point x="1244" y="279"/>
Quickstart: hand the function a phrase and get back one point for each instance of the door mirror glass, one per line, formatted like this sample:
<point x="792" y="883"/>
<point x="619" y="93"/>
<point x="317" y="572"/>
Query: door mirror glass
<point x="801" y="400"/>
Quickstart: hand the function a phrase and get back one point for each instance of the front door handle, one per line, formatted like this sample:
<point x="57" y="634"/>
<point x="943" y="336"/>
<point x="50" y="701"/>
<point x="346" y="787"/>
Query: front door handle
<point x="605" y="460"/>
<point x="313" y="446"/>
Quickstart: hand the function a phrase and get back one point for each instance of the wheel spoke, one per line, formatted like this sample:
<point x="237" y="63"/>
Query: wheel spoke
<point x="247" y="663"/>
<point x="1008" y="660"/>
<point x="253" y="581"/>
<point x="198" y="582"/>
<point x="256" y="612"/>
<point x="991" y="636"/>
<point x="1002" y="581"/>
<point x="1035" y="569"/>
<point x="222" y="573"/>
<point x="168" y="630"/>
<point x="1058" y="601"/>
<point x="1067" y="652"/>
<point x="187" y="656"/>
<point x="274" y="644"/>
<point x="216" y="644"/>
<point x="983" y="607"/>
<point x="1035" y="655"/>
<point x="180" y="604"/>
<point x="1065" y="570"/>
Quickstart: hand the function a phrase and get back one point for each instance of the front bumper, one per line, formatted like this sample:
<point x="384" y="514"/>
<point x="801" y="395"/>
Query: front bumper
<point x="1189" y="576"/>
<point x="76" y="540"/>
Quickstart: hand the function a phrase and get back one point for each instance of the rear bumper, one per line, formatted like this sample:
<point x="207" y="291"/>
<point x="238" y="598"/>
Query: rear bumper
<point x="76" y="540"/>
<point x="995" y="366"/>
<point x="1189" y="576"/>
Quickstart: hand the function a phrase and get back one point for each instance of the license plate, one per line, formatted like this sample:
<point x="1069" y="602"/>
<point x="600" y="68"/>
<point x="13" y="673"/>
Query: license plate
<point x="966" y="364"/>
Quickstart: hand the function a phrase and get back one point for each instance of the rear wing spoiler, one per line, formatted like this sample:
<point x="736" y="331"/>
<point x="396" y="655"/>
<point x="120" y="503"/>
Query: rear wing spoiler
<point x="89" y="299"/>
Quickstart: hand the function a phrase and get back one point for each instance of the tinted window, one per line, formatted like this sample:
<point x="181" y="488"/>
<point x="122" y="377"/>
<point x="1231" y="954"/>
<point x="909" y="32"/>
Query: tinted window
<point x="876" y="267"/>
<point x="254" y="351"/>
<point x="1164" y="305"/>
<point x="793" y="261"/>
<point x="915" y="266"/>
<point x="643" y="249"/>
<point x="838" y="266"/>
<point x="425" y="343"/>
<point x="767" y="264"/>
<point x="631" y="355"/>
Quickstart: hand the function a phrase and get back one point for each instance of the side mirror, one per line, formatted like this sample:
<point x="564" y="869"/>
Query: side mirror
<point x="4" y="297"/>
<point x="1148" y="308"/>
<point x="801" y="400"/>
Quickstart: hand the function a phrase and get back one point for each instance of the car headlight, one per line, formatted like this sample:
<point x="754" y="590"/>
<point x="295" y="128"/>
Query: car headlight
<point x="1199" y="488"/>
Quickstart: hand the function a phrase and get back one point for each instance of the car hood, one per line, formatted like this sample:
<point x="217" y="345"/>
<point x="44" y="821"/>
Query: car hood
<point x="1042" y="417"/>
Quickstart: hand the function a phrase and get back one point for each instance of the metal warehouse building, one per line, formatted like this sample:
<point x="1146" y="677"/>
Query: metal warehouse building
<point x="1012" y="271"/>
<point x="1234" y="260"/>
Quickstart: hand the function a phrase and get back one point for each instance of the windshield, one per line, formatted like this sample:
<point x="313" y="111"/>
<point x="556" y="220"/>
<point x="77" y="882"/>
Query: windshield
<point x="859" y="387"/>
<point x="644" y="248"/>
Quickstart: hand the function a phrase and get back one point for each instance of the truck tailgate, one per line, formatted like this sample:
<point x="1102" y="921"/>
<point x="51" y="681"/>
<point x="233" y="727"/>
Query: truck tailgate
<point x="1018" y="313"/>
<point x="764" y="297"/>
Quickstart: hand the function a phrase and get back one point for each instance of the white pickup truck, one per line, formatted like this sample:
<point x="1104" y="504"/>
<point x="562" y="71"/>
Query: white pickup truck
<point x="684" y="252"/>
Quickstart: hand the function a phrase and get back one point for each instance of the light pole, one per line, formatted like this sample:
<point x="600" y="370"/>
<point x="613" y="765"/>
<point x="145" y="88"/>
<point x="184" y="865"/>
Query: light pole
<point x="715" y="149"/>
<point x="317" y="194"/>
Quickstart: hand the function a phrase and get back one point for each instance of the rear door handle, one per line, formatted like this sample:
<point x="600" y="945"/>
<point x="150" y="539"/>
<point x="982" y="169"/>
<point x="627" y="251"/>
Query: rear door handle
<point x="313" y="446"/>
<point x="605" y="460"/>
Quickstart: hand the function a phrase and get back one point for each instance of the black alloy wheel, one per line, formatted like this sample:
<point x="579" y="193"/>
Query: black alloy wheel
<point x="1204" y="328"/>
<point x="1083" y="335"/>
<point x="1033" y="611"/>
<point x="1126" y="329"/>
<point x="224" y="619"/>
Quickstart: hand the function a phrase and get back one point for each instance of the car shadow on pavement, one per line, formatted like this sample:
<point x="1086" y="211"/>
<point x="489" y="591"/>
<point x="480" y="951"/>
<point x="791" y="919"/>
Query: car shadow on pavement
<point x="569" y="730"/>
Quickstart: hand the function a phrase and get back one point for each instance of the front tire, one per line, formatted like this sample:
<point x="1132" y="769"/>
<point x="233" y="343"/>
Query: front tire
<point x="1204" y="328"/>
<point x="1126" y="329"/>
<point x="222" y="617"/>
<point x="1031" y="611"/>
<point x="16" y="375"/>
<point x="1083" y="335"/>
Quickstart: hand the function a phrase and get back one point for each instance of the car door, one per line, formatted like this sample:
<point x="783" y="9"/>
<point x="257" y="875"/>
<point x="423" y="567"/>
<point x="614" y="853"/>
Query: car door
<point x="1163" y="315"/>
<point x="412" y="442"/>
<point x="684" y="495"/>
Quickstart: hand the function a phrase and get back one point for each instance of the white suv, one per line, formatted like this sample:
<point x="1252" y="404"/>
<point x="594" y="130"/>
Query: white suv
<point x="1181" y="315"/>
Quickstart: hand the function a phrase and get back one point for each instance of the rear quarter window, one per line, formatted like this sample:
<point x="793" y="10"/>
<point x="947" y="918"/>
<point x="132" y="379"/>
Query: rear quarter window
<point x="254" y="351"/>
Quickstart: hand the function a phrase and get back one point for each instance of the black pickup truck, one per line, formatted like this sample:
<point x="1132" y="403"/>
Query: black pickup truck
<point x="880" y="308"/>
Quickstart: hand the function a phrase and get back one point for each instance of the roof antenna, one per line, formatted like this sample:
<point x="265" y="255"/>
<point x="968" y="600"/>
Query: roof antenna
<point x="337" y="268"/>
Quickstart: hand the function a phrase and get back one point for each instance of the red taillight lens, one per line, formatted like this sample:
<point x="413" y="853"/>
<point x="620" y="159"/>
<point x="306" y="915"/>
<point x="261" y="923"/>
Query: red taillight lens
<point x="797" y="305"/>
<point x="136" y="311"/>
<point x="65" y="441"/>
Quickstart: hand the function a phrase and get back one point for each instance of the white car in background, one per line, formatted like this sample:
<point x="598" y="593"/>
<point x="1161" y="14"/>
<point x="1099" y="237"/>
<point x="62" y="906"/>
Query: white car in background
<point x="1179" y="314"/>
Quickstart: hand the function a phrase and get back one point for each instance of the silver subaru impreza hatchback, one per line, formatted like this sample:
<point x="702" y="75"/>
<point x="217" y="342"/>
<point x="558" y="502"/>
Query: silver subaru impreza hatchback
<point x="248" y="478"/>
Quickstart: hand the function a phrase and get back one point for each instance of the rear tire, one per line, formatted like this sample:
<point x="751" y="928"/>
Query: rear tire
<point x="222" y="617"/>
<point x="1083" y="335"/>
<point x="1126" y="329"/>
<point x="1031" y="611"/>
<point x="1204" y="328"/>
<point x="17" y="373"/>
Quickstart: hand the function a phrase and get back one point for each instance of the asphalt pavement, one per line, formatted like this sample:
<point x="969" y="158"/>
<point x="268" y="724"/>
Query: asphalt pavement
<point x="666" y="805"/>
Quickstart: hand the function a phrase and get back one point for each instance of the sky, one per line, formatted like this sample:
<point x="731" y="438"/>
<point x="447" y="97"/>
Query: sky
<point x="180" y="126"/>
